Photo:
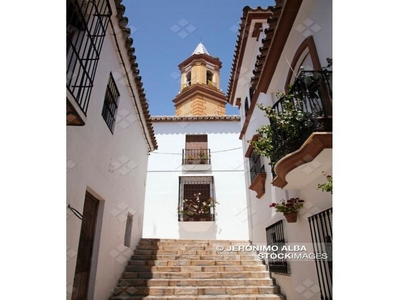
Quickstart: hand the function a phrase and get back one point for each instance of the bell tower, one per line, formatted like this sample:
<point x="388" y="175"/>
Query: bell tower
<point x="200" y="93"/>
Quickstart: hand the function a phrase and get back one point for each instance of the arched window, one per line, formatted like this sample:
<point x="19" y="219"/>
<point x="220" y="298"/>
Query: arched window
<point x="210" y="78"/>
<point x="189" y="78"/>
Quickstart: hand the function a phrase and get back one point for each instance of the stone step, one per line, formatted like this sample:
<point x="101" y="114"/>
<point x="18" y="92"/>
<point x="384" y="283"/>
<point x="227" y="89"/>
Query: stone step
<point x="196" y="282"/>
<point x="195" y="256"/>
<point x="168" y="269"/>
<point x="190" y="290"/>
<point x="191" y="245"/>
<point x="202" y="297"/>
<point x="188" y="275"/>
<point x="204" y="246"/>
<point x="135" y="262"/>
<point x="193" y="269"/>
<point x="191" y="251"/>
<point x="183" y="241"/>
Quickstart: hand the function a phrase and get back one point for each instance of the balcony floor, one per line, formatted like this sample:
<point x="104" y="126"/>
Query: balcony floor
<point x="298" y="169"/>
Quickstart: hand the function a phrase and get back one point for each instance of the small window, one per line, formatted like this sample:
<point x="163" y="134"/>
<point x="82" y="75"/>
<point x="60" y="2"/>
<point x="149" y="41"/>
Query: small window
<point x="189" y="78"/>
<point x="276" y="239"/>
<point x="255" y="165"/>
<point x="110" y="105"/>
<point x="251" y="93"/>
<point x="246" y="106"/>
<point x="128" y="230"/>
<point x="210" y="78"/>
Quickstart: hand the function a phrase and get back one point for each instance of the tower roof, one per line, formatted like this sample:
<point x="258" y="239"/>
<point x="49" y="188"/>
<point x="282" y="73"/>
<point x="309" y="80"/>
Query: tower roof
<point x="200" y="49"/>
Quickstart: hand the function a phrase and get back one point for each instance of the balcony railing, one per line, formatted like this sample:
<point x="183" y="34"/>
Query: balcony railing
<point x="311" y="98"/>
<point x="196" y="156"/>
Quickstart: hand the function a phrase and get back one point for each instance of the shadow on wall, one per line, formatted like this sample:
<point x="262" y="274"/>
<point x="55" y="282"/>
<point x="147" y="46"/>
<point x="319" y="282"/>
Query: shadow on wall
<point x="197" y="230"/>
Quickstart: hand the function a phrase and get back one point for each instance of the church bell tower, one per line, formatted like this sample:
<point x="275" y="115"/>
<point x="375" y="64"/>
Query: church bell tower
<point x="200" y="93"/>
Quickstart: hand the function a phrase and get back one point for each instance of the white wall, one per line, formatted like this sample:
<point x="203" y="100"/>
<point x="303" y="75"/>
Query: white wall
<point x="113" y="167"/>
<point x="318" y="15"/>
<point x="165" y="167"/>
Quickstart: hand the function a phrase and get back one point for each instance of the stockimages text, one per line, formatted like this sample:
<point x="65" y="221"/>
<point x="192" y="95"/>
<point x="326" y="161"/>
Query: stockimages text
<point x="287" y="252"/>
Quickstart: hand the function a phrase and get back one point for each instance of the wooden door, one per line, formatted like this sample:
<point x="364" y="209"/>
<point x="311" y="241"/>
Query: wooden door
<point x="85" y="248"/>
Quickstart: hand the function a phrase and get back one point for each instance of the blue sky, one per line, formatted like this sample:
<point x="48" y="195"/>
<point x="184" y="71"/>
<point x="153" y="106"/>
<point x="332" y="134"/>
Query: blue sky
<point x="165" y="33"/>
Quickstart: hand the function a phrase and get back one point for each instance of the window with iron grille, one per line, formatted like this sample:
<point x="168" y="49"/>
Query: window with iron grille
<point x="87" y="23"/>
<point x="255" y="165"/>
<point x="110" y="105"/>
<point x="276" y="237"/>
<point x="321" y="236"/>
<point x="196" y="198"/>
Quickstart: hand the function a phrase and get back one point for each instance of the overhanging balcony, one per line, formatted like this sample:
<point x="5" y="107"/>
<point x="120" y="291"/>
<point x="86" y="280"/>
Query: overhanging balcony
<point x="302" y="146"/>
<point x="196" y="159"/>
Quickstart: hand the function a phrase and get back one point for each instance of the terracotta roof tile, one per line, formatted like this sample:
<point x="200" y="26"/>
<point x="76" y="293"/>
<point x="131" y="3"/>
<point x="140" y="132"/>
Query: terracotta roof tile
<point x="243" y="33"/>
<point x="194" y="118"/>
<point x="123" y="22"/>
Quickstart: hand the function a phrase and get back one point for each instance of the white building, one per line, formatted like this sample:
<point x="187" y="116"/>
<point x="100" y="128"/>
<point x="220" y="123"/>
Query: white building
<point x="288" y="44"/>
<point x="198" y="161"/>
<point x="109" y="138"/>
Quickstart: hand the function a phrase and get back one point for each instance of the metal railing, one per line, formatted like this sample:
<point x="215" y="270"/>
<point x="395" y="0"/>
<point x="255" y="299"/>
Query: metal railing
<point x="310" y="97"/>
<point x="196" y="156"/>
<point x="321" y="235"/>
<point x="196" y="198"/>
<point x="276" y="239"/>
<point x="255" y="165"/>
<point x="87" y="23"/>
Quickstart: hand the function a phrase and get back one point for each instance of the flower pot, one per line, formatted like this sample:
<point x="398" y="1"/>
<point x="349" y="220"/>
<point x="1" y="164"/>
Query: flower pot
<point x="291" y="217"/>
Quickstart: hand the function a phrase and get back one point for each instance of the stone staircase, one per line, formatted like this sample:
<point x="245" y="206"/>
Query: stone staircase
<point x="184" y="269"/>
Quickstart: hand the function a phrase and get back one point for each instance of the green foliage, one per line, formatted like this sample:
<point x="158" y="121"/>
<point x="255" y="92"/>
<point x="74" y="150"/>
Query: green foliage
<point x="292" y="121"/>
<point x="289" y="124"/>
<point x="328" y="185"/>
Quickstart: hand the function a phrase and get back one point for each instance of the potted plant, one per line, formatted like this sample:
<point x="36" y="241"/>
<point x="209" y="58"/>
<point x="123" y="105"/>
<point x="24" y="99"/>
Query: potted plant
<point x="189" y="160"/>
<point x="289" y="208"/>
<point x="203" y="157"/>
<point x="197" y="209"/>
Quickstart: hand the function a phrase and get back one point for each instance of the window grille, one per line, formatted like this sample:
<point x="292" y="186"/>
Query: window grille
<point x="196" y="198"/>
<point x="110" y="105"/>
<point x="321" y="235"/>
<point x="87" y="23"/>
<point x="276" y="239"/>
<point x="255" y="165"/>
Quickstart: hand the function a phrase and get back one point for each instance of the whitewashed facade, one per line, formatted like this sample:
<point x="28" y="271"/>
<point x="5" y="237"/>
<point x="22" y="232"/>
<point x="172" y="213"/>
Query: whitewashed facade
<point x="109" y="138"/>
<point x="226" y="169"/>
<point x="273" y="43"/>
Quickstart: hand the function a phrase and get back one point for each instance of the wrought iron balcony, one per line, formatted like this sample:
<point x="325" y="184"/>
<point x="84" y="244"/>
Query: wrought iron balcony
<point x="310" y="97"/>
<point x="196" y="157"/>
